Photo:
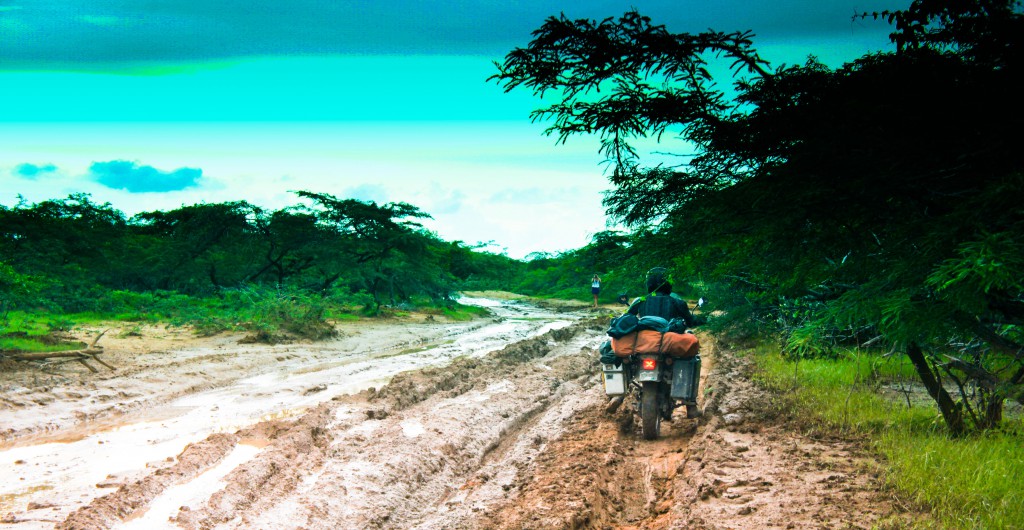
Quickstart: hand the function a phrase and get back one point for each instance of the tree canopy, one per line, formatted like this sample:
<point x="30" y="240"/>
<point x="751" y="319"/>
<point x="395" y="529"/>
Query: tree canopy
<point x="879" y="202"/>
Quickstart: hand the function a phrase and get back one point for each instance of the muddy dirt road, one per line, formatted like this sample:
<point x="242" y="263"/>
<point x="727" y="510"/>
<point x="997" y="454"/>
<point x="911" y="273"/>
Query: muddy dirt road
<point x="496" y="423"/>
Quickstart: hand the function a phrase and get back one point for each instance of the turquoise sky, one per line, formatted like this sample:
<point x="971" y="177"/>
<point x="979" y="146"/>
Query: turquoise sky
<point x="155" y="107"/>
<point x="268" y="88"/>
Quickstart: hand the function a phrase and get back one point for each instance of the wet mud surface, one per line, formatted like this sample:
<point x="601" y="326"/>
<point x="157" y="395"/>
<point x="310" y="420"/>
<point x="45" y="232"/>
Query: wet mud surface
<point x="496" y="423"/>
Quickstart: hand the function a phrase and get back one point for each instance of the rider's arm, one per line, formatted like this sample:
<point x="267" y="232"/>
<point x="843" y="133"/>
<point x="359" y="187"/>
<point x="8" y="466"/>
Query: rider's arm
<point x="682" y="311"/>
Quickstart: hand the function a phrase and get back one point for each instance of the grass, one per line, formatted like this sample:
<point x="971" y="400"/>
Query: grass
<point x="970" y="483"/>
<point x="30" y="332"/>
<point x="462" y="313"/>
<point x="30" y="344"/>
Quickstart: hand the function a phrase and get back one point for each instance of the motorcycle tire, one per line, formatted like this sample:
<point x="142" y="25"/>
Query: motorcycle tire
<point x="650" y="416"/>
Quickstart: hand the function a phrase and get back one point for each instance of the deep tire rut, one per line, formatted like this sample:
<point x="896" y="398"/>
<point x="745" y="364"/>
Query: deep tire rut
<point x="599" y="474"/>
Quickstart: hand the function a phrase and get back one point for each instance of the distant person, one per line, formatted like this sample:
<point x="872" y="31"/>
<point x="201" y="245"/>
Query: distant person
<point x="595" y="288"/>
<point x="700" y="302"/>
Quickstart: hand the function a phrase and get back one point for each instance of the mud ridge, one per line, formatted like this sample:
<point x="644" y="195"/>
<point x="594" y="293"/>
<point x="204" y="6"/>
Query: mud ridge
<point x="275" y="472"/>
<point x="463" y="374"/>
<point x="156" y="371"/>
<point x="114" y="508"/>
<point x="598" y="473"/>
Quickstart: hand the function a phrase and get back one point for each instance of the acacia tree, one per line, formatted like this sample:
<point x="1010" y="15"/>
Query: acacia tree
<point x="194" y="249"/>
<point x="289" y="241"/>
<point x="878" y="202"/>
<point x="383" y="244"/>
<point x="70" y="245"/>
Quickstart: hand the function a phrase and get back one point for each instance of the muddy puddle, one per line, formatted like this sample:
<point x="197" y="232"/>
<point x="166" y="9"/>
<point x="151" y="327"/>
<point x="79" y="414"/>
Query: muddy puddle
<point x="67" y="464"/>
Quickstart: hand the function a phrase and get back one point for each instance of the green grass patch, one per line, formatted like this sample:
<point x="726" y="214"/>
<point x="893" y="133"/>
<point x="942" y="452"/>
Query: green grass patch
<point x="32" y="332"/>
<point x="970" y="483"/>
<point x="844" y="394"/>
<point x="456" y="312"/>
<point x="344" y="315"/>
<point x="462" y="313"/>
<point x="34" y="344"/>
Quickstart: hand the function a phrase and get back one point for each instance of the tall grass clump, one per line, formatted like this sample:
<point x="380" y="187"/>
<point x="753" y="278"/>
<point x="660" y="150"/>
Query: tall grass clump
<point x="972" y="482"/>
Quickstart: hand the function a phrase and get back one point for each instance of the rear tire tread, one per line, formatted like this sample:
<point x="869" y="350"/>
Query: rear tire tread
<point x="650" y="416"/>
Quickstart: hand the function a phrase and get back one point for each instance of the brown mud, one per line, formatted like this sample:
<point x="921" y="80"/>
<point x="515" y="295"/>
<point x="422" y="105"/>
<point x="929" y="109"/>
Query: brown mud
<point x="517" y="438"/>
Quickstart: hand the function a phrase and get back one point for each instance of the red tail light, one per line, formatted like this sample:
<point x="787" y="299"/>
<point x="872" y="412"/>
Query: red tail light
<point x="649" y="364"/>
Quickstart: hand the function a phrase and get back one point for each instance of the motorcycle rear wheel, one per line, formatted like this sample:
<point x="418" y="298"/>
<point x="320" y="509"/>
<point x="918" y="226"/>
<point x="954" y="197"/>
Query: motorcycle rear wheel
<point x="650" y="416"/>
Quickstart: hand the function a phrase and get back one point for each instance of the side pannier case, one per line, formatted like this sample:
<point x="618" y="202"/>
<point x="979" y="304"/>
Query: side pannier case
<point x="685" y="378"/>
<point x="615" y="383"/>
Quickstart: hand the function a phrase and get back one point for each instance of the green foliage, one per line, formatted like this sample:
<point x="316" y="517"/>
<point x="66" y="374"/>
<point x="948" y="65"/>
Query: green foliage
<point x="980" y="270"/>
<point x="970" y="482"/>
<point x="294" y="313"/>
<point x="614" y="256"/>
<point x="19" y="290"/>
<point x="231" y="266"/>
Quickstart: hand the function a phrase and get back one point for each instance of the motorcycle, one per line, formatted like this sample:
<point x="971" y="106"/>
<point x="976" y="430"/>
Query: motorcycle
<point x="659" y="381"/>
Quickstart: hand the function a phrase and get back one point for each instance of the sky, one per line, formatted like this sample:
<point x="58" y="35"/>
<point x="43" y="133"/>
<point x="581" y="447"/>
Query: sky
<point x="152" y="105"/>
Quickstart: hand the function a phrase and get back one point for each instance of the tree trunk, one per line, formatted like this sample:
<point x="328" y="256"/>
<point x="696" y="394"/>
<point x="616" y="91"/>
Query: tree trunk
<point x="951" y="413"/>
<point x="993" y="409"/>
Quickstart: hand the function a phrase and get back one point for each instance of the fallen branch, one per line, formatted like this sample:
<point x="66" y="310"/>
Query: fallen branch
<point x="92" y="351"/>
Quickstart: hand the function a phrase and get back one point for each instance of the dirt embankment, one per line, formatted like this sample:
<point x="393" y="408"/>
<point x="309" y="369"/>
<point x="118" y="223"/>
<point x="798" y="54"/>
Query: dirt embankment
<point x="515" y="439"/>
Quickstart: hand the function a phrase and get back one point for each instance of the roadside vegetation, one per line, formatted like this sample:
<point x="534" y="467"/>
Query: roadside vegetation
<point x="971" y="482"/>
<point x="228" y="266"/>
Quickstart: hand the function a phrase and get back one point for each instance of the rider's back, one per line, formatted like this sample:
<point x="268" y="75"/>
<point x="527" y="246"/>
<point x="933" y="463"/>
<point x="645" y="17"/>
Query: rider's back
<point x="662" y="305"/>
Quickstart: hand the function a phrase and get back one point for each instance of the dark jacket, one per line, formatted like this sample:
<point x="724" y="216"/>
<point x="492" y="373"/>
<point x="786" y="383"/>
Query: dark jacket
<point x="664" y="306"/>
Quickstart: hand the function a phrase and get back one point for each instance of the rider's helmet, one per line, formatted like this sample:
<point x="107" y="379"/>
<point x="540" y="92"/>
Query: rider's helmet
<point x="657" y="281"/>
